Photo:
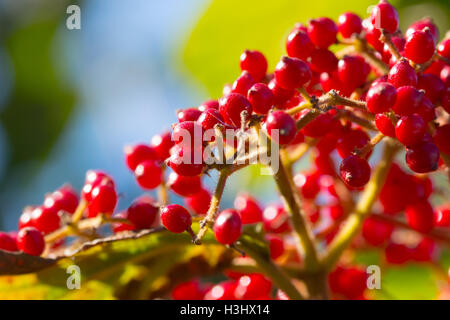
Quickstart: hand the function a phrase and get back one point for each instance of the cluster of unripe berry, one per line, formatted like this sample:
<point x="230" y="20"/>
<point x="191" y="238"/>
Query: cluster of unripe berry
<point x="396" y="86"/>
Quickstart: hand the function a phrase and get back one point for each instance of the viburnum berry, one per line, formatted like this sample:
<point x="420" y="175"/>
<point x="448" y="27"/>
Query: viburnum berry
<point x="276" y="246"/>
<point x="349" y="24"/>
<point x="228" y="226"/>
<point x="426" y="110"/>
<point x="373" y="35"/>
<point x="442" y="138"/>
<point x="308" y="184"/>
<point x="46" y="219"/>
<point x="255" y="63"/>
<point x="231" y="107"/>
<point x="424" y="251"/>
<point x="137" y="154"/>
<point x="381" y="97"/>
<point x="142" y="214"/>
<point x="188" y="134"/>
<point x="445" y="101"/>
<point x="408" y="101"/>
<point x="355" y="171"/>
<point x="253" y="286"/>
<point x="248" y="208"/>
<point x="420" y="216"/>
<point x="184" y="186"/>
<point x="104" y="200"/>
<point x="292" y="73"/>
<point x="410" y="130"/>
<point x="261" y="98"/>
<point x="243" y="83"/>
<point x="276" y="219"/>
<point x="199" y="202"/>
<point x="190" y="290"/>
<point x="322" y="32"/>
<point x="65" y="199"/>
<point x="122" y="226"/>
<point x="351" y="141"/>
<point x="281" y="127"/>
<point x="162" y="143"/>
<point x="444" y="48"/>
<point x="93" y="179"/>
<point x="419" y="46"/>
<point x="320" y="126"/>
<point x="209" y="118"/>
<point x="433" y="86"/>
<point x="384" y="125"/>
<point x="298" y="45"/>
<point x="148" y="174"/>
<point x="399" y="44"/>
<point x="25" y="219"/>
<point x="376" y="232"/>
<point x="421" y="25"/>
<point x="402" y="74"/>
<point x="189" y="114"/>
<point x="175" y="218"/>
<point x="323" y="60"/>
<point x="7" y="242"/>
<point x="423" y="157"/>
<point x="186" y="161"/>
<point x="31" y="241"/>
<point x="222" y="291"/>
<point x="397" y="253"/>
<point x="210" y="104"/>
<point x="349" y="282"/>
<point x="280" y="94"/>
<point x="385" y="16"/>
<point x="442" y="216"/>
<point x="353" y="71"/>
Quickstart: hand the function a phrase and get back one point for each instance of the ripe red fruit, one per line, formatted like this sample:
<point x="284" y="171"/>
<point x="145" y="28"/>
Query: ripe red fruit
<point x="25" y="219"/>
<point x="353" y="71"/>
<point x="349" y="24"/>
<point x="376" y="232"/>
<point x="433" y="86"/>
<point x="162" y="143"/>
<point x="397" y="253"/>
<point x="426" y="110"/>
<point x="354" y="171"/>
<point x="252" y="286"/>
<point x="420" y="216"/>
<point x="187" y="162"/>
<point x="65" y="199"/>
<point x="122" y="226"/>
<point x="292" y="73"/>
<point x="280" y="127"/>
<point x="421" y="25"/>
<point x="349" y="282"/>
<point x="276" y="246"/>
<point x="199" y="202"/>
<point x="243" y="83"/>
<point x="308" y="184"/>
<point x="189" y="114"/>
<point x="7" y="242"/>
<point x="320" y="126"/>
<point x="142" y="214"/>
<point x="104" y="200"/>
<point x="423" y="157"/>
<point x="385" y="16"/>
<point x="410" y="130"/>
<point x="231" y="106"/>
<point x="373" y="35"/>
<point x="323" y="60"/>
<point x="351" y="141"/>
<point x="276" y="219"/>
<point x="248" y="208"/>
<point x="209" y="118"/>
<point x="408" y="101"/>
<point x="184" y="186"/>
<point x="298" y="45"/>
<point x="228" y="226"/>
<point x="381" y="97"/>
<point x="222" y="291"/>
<point x="136" y="154"/>
<point x="419" y="46"/>
<point x="442" y="216"/>
<point x="261" y="98"/>
<point x="322" y="32"/>
<point x="175" y="218"/>
<point x="31" y="241"/>
<point x="188" y="134"/>
<point x="93" y="179"/>
<point x="444" y="48"/>
<point x="190" y="290"/>
<point x="280" y="95"/>
<point x="255" y="63"/>
<point x="385" y="125"/>
<point x="402" y="74"/>
<point x="148" y="174"/>
<point x="445" y="101"/>
<point x="442" y="138"/>
<point x="210" y="104"/>
<point x="45" y="219"/>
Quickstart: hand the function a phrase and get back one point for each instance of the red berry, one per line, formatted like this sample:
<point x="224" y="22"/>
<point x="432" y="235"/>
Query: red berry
<point x="243" y="83"/>
<point x="322" y="32"/>
<point x="426" y="110"/>
<point x="231" y="106"/>
<point x="408" y="101"/>
<point x="276" y="219"/>
<point x="210" y="104"/>
<point x="381" y="97"/>
<point x="432" y="85"/>
<point x="423" y="157"/>
<point x="184" y="186"/>
<point x="323" y="60"/>
<point x="65" y="199"/>
<point x="320" y="126"/>
<point x="442" y="216"/>
<point x="349" y="282"/>
<point x="298" y="45"/>
<point x="190" y="290"/>
<point x="385" y="16"/>
<point x="189" y="114"/>
<point x="261" y="98"/>
<point x="136" y="154"/>
<point x="7" y="242"/>
<point x="353" y="71"/>
<point x="187" y="162"/>
<point x="402" y="74"/>
<point x="276" y="246"/>
<point x="93" y="179"/>
<point x="419" y="46"/>
<point x="308" y="184"/>
<point x="209" y="119"/>
<point x="188" y="134"/>
<point x="248" y="208"/>
<point x="280" y="95"/>
<point x="253" y="286"/>
<point x="349" y="24"/>
<point x="385" y="125"/>
<point x="424" y="251"/>
<point x="445" y="101"/>
<point x="421" y="25"/>
<point x="376" y="232"/>
<point x="397" y="253"/>
<point x="420" y="216"/>
<point x="222" y="291"/>
<point x="292" y="73"/>
<point x="351" y="141"/>
<point x="355" y="171"/>
<point x="104" y="200"/>
<point x="228" y="226"/>
<point x="442" y="138"/>
<point x="444" y="48"/>
<point x="175" y="218"/>
<point x="162" y="143"/>
<point x="46" y="219"/>
<point x="119" y="227"/>
<point x="199" y="202"/>
<point x="31" y="241"/>
<point x="280" y="127"/>
<point x="148" y="174"/>
<point x="25" y="219"/>
<point x="255" y="63"/>
<point x="373" y="35"/>
<point x="410" y="130"/>
<point x="142" y="214"/>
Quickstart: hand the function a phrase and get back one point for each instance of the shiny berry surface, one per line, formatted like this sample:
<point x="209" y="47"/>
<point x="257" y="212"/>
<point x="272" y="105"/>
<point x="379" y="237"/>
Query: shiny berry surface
<point x="228" y="226"/>
<point x="175" y="218"/>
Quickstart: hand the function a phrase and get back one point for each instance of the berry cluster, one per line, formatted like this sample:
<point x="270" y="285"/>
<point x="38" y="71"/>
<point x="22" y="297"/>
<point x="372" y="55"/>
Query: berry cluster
<point x="384" y="86"/>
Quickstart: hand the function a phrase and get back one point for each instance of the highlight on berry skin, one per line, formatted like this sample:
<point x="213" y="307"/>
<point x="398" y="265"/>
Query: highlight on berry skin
<point x="309" y="163"/>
